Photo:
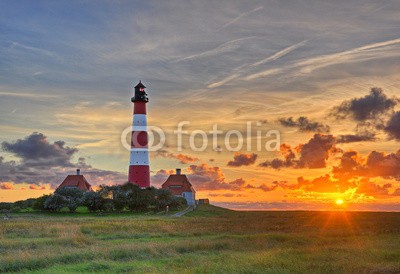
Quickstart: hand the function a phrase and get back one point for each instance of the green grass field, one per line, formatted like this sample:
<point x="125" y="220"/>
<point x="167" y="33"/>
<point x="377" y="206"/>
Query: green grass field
<point x="209" y="239"/>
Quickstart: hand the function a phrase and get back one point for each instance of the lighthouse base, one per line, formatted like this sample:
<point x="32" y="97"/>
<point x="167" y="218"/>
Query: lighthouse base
<point x="139" y="175"/>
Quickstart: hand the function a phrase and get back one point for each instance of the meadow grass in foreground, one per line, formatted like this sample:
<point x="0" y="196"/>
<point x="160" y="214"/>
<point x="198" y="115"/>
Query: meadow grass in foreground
<point x="210" y="239"/>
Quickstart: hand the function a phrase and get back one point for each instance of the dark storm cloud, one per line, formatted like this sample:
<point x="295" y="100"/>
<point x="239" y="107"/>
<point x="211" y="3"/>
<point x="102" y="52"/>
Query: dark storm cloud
<point x="37" y="150"/>
<point x="304" y="124"/>
<point x="315" y="153"/>
<point x="243" y="159"/>
<point x="312" y="154"/>
<point x="373" y="112"/>
<point x="392" y="127"/>
<point x="368" y="107"/>
<point x="42" y="162"/>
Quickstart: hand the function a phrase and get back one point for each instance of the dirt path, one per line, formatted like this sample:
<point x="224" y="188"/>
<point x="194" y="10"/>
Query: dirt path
<point x="183" y="212"/>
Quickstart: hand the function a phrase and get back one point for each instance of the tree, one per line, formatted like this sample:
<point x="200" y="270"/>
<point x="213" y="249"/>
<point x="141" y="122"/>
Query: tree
<point x="119" y="198"/>
<point x="164" y="198"/>
<point x="39" y="202"/>
<point x="93" y="201"/>
<point x="54" y="202"/>
<point x="6" y="206"/>
<point x="106" y="194"/>
<point x="140" y="199"/>
<point x="178" y="202"/>
<point x="73" y="197"/>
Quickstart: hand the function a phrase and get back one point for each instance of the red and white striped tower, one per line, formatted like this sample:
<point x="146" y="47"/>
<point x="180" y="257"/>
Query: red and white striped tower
<point x="139" y="171"/>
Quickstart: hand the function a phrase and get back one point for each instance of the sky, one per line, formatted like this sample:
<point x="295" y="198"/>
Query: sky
<point x="323" y="74"/>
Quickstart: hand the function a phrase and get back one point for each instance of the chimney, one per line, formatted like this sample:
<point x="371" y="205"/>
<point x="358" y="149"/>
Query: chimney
<point x="178" y="171"/>
<point x="78" y="172"/>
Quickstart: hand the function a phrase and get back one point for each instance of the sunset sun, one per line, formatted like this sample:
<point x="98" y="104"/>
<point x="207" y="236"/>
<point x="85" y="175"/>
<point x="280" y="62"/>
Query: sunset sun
<point x="339" y="202"/>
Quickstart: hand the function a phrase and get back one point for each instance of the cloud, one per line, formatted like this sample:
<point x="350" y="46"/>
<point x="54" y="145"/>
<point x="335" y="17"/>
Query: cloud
<point x="6" y="186"/>
<point x="42" y="162"/>
<point x="372" y="189"/>
<point x="366" y="131"/>
<point x="376" y="164"/>
<point x="205" y="177"/>
<point x="185" y="159"/>
<point x="227" y="195"/>
<point x="330" y="184"/>
<point x="288" y="161"/>
<point x="324" y="184"/>
<point x="35" y="50"/>
<point x="372" y="112"/>
<point x="36" y="187"/>
<point x="182" y="158"/>
<point x="368" y="107"/>
<point x="229" y="46"/>
<point x="243" y="159"/>
<point x="312" y="154"/>
<point x="264" y="187"/>
<point x="37" y="151"/>
<point x="392" y="127"/>
<point x="28" y="95"/>
<point x="279" y="54"/>
<point x="243" y="69"/>
<point x="244" y="14"/>
<point x="306" y="66"/>
<point x="304" y="124"/>
<point x="352" y="138"/>
<point x="224" y="80"/>
<point x="315" y="153"/>
<point x="160" y="177"/>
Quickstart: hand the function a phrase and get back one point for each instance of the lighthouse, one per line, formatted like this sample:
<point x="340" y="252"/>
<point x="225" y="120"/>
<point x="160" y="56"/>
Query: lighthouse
<point x="139" y="171"/>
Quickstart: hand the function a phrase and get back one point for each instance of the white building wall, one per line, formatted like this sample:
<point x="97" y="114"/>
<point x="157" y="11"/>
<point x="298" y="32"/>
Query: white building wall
<point x="190" y="198"/>
<point x="139" y="156"/>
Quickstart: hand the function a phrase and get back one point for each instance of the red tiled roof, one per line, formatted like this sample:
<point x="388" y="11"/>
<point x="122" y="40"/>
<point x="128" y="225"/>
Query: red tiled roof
<point x="177" y="184"/>
<point x="78" y="181"/>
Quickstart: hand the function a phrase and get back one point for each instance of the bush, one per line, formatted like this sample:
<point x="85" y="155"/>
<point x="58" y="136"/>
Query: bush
<point x="71" y="198"/>
<point x="93" y="201"/>
<point x="24" y="204"/>
<point x="164" y="198"/>
<point x="6" y="206"/>
<point x="178" y="202"/>
<point x="107" y="198"/>
<point x="140" y="199"/>
<point x="119" y="198"/>
<point x="54" y="202"/>
<point x="39" y="202"/>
